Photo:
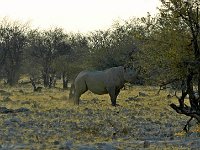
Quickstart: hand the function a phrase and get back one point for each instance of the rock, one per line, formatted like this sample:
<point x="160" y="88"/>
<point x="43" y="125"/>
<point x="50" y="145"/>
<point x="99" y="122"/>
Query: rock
<point x="6" y="110"/>
<point x="105" y="146"/>
<point x="88" y="111"/>
<point x="86" y="147"/>
<point x="194" y="145"/>
<point x="15" y="119"/>
<point x="21" y="146"/>
<point x="162" y="114"/>
<point x="5" y="93"/>
<point x="62" y="147"/>
<point x="136" y="98"/>
<point x="169" y="96"/>
<point x="12" y="121"/>
<point x="73" y="125"/>
<point x="146" y="144"/>
<point x="143" y="94"/>
<point x="22" y="109"/>
<point x="95" y="100"/>
<point x="7" y="123"/>
<point x="194" y="135"/>
<point x="6" y="99"/>
<point x="26" y="102"/>
<point x="21" y="91"/>
<point x="67" y="146"/>
<point x="56" y="142"/>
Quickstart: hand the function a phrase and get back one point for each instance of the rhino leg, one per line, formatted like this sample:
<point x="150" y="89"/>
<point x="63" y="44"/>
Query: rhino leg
<point x="77" y="98"/>
<point x="113" y="93"/>
<point x="79" y="90"/>
<point x="117" y="93"/>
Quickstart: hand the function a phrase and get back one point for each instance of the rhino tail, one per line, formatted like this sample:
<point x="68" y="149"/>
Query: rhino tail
<point x="72" y="91"/>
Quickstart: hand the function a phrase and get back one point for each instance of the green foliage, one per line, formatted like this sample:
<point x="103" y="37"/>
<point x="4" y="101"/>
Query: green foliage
<point x="159" y="44"/>
<point x="46" y="47"/>
<point x="79" y="59"/>
<point x="13" y="41"/>
<point x="112" y="47"/>
<point x="165" y="47"/>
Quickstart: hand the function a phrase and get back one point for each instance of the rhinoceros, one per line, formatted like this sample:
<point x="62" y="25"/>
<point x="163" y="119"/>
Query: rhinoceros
<point x="108" y="81"/>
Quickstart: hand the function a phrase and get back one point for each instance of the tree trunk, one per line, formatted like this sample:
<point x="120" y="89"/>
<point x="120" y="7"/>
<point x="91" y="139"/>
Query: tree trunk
<point x="12" y="77"/>
<point x="52" y="81"/>
<point x="65" y="80"/>
<point x="46" y="79"/>
<point x="198" y="85"/>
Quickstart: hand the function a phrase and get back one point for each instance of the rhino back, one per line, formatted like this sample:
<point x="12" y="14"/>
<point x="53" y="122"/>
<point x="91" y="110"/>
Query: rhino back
<point x="99" y="81"/>
<point x="109" y="77"/>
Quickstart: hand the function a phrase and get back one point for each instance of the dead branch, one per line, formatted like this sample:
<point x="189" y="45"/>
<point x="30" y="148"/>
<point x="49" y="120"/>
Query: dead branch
<point x="186" y="127"/>
<point x="35" y="89"/>
<point x="162" y="85"/>
<point x="186" y="110"/>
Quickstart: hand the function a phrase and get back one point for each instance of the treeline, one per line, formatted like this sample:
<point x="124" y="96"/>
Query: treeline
<point x="166" y="47"/>
<point x="163" y="46"/>
<point x="53" y="53"/>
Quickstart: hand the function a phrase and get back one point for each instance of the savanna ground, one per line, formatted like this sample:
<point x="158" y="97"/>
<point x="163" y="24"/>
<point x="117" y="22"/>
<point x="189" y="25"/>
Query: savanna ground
<point x="48" y="121"/>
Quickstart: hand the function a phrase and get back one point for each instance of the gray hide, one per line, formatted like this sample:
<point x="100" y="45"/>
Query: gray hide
<point x="109" y="81"/>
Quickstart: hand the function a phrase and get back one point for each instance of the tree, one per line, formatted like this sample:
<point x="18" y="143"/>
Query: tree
<point x="44" y="48"/>
<point x="164" y="47"/>
<point x="80" y="53"/>
<point x="13" y="41"/>
<point x="171" y="50"/>
<point x="188" y="12"/>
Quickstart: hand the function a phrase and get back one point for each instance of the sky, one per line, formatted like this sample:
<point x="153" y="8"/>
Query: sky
<point x="75" y="15"/>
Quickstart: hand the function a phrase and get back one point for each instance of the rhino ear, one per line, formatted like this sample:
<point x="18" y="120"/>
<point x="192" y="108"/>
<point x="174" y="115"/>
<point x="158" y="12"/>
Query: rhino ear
<point x="138" y="69"/>
<point x="125" y="67"/>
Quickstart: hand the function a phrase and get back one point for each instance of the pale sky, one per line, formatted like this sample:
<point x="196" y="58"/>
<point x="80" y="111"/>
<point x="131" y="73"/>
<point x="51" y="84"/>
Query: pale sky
<point x="75" y="15"/>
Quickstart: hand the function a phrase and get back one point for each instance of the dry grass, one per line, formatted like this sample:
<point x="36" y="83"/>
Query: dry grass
<point x="53" y="120"/>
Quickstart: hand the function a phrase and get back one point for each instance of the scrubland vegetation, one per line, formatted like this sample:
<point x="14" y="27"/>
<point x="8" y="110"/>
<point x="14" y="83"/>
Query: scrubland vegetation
<point x="143" y="120"/>
<point x="166" y="49"/>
